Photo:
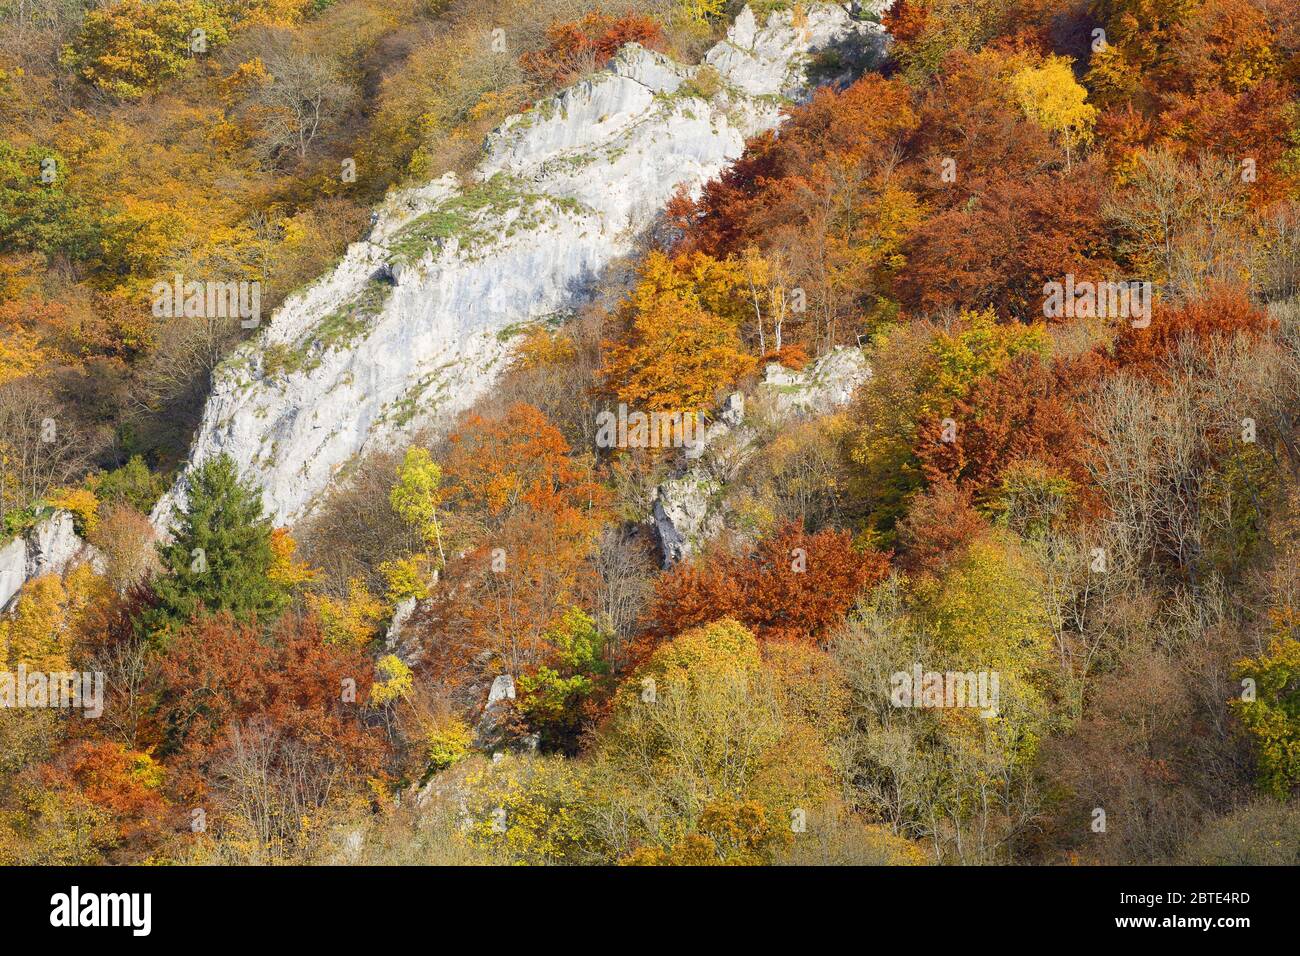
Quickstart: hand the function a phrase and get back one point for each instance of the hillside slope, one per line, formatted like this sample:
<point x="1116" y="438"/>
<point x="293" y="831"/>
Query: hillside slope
<point x="414" y="323"/>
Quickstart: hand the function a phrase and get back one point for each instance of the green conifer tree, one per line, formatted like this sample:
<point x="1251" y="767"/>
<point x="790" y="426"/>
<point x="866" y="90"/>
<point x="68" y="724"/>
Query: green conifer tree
<point x="220" y="555"/>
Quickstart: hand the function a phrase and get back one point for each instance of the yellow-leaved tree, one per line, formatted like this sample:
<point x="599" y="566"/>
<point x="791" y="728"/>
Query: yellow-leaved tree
<point x="704" y="720"/>
<point x="42" y="629"/>
<point x="20" y="353"/>
<point x="700" y="12"/>
<point x="416" y="497"/>
<point x="286" y="568"/>
<point x="129" y="47"/>
<point x="349" y="621"/>
<point x="1052" y="98"/>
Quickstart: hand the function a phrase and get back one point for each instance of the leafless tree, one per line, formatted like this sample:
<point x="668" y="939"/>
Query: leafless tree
<point x="128" y="668"/>
<point x="305" y="96"/>
<point x="1186" y="221"/>
<point x="40" y="447"/>
<point x="627" y="568"/>
<point x="270" y="784"/>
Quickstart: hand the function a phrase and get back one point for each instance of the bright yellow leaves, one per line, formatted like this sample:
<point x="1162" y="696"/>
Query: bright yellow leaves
<point x="700" y="12"/>
<point x="84" y="507"/>
<point x="977" y="346"/>
<point x="408" y="577"/>
<point x="20" y="353"/>
<point x="41" y="631"/>
<point x="698" y="657"/>
<point x="286" y="569"/>
<point x="447" y="742"/>
<point x="416" y="498"/>
<point x="349" y="621"/>
<point x="542" y="348"/>
<point x="1050" y="96"/>
<point x="987" y="611"/>
<point x="393" y="680"/>
<point x="128" y="48"/>
<point x="529" y="808"/>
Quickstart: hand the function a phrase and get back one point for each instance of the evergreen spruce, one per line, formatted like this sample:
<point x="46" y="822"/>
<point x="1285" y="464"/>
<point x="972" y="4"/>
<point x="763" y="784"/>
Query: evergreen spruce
<point x="220" y="557"/>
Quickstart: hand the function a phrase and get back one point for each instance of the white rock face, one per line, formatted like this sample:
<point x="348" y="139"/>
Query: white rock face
<point x="684" y="515"/>
<point x="52" y="546"/>
<point x="691" y="507"/>
<point x="414" y="323"/>
<point x="491" y="732"/>
<point x="820" y="388"/>
<point x="503" y="688"/>
<point x="13" y="569"/>
<point x="401" y="614"/>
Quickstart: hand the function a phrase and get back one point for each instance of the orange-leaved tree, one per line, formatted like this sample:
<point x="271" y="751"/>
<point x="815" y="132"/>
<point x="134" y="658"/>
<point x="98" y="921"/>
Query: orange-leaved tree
<point x="1221" y="313"/>
<point x="1021" y="412"/>
<point x="575" y="47"/>
<point x="682" y="341"/>
<point x="794" y="586"/>
<point x="525" y="512"/>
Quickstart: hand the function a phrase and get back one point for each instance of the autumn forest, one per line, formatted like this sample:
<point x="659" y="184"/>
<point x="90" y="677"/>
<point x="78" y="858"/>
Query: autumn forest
<point x="919" y="486"/>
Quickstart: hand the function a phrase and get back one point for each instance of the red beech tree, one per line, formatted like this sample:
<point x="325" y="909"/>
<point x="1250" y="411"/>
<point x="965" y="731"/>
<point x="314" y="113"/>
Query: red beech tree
<point x="793" y="587"/>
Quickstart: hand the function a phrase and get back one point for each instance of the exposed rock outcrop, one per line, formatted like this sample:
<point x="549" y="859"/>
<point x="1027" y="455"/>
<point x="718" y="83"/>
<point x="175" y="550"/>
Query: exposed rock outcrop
<point x="496" y="728"/>
<point x="690" y="508"/>
<point x="821" y="388"/>
<point x="685" y="514"/>
<point x="51" y="546"/>
<point x="401" y="614"/>
<point x="401" y="639"/>
<point x="414" y="323"/>
<point x="13" y="569"/>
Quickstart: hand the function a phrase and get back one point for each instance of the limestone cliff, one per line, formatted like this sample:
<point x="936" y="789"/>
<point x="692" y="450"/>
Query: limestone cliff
<point x="414" y="323"/>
